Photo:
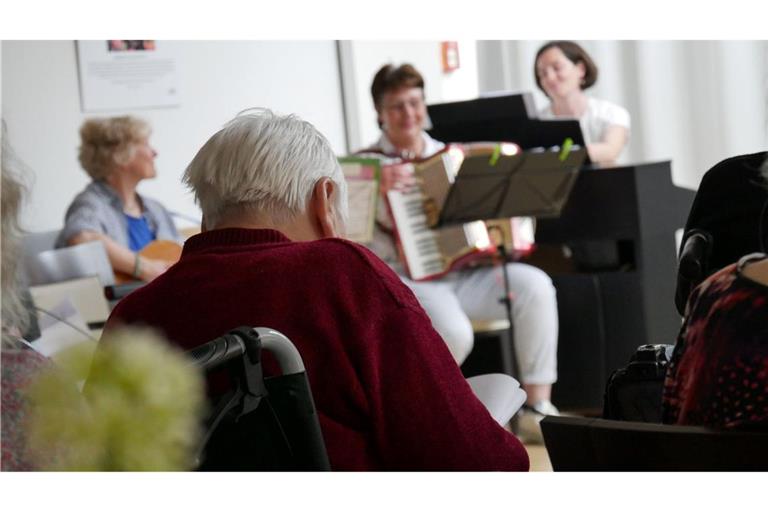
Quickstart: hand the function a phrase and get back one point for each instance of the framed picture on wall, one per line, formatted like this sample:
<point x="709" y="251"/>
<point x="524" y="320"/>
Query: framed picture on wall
<point x="121" y="74"/>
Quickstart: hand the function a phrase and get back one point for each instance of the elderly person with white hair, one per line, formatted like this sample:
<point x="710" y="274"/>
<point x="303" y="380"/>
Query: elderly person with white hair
<point x="387" y="391"/>
<point x="116" y="154"/>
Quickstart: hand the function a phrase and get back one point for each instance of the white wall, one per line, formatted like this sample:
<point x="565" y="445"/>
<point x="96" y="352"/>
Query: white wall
<point x="360" y="60"/>
<point x="41" y="106"/>
<point x="692" y="102"/>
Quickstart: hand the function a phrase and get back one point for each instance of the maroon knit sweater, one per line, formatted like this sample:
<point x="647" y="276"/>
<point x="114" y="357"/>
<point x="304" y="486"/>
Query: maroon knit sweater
<point x="388" y="393"/>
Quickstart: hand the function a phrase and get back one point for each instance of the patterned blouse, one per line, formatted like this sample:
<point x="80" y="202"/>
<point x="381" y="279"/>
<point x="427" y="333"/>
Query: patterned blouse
<point x="718" y="374"/>
<point x="19" y="367"/>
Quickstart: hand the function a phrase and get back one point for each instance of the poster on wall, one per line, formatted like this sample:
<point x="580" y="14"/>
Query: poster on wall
<point x="125" y="74"/>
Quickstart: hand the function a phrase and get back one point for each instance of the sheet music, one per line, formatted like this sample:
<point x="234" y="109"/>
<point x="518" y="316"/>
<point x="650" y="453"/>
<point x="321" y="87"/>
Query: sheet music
<point x="500" y="394"/>
<point x="362" y="201"/>
<point x="86" y="295"/>
<point x="362" y="191"/>
<point x="62" y="327"/>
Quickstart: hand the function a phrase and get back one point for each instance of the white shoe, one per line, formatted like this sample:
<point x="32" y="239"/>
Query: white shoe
<point x="528" y="429"/>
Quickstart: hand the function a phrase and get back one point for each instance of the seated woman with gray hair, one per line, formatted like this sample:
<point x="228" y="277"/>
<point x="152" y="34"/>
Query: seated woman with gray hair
<point x="116" y="154"/>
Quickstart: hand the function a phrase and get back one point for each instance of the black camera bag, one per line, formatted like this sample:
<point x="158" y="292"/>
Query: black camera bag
<point x="633" y="393"/>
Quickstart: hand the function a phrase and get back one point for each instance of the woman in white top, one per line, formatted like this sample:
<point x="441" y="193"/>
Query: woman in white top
<point x="563" y="72"/>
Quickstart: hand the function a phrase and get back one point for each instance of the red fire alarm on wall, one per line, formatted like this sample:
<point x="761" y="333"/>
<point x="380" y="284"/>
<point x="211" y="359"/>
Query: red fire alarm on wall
<point x="450" y="55"/>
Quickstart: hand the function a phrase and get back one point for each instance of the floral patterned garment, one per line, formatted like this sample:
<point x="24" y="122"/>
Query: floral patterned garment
<point x="718" y="374"/>
<point x="19" y="367"/>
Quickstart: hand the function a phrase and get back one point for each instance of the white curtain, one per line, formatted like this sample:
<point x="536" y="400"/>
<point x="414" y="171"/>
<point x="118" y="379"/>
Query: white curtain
<point x="692" y="102"/>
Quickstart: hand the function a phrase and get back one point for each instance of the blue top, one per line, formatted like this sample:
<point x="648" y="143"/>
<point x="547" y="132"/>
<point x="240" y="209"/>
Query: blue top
<point x="139" y="233"/>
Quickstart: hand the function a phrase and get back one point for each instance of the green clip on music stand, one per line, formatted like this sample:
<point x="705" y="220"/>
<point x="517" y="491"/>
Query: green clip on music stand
<point x="528" y="184"/>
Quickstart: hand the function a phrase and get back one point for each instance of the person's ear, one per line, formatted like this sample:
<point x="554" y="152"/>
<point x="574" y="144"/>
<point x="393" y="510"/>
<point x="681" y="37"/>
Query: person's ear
<point x="322" y="205"/>
<point x="582" y="71"/>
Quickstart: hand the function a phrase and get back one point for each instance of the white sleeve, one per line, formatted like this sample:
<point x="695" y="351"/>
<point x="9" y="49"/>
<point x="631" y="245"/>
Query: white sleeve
<point x="616" y="115"/>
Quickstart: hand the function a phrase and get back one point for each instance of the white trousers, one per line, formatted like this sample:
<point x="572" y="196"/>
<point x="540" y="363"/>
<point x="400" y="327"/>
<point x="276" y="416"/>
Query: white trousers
<point x="474" y="294"/>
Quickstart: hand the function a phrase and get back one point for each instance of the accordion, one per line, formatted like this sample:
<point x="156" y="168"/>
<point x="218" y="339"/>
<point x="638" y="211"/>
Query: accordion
<point x="428" y="252"/>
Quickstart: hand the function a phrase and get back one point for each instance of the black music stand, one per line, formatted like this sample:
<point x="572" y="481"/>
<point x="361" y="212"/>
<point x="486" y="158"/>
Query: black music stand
<point x="528" y="184"/>
<point x="482" y="119"/>
<point x="509" y="118"/>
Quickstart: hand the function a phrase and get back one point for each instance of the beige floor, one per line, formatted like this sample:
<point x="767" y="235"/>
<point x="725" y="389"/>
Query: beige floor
<point x="537" y="454"/>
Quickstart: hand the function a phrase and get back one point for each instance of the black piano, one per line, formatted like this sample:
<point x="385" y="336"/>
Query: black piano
<point x="618" y="293"/>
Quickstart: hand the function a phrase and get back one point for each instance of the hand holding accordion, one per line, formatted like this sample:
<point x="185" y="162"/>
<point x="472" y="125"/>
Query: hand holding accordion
<point x="439" y="222"/>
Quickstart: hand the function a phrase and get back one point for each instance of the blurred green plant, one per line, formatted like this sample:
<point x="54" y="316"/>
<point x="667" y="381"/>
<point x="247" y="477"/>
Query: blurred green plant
<point x="140" y="410"/>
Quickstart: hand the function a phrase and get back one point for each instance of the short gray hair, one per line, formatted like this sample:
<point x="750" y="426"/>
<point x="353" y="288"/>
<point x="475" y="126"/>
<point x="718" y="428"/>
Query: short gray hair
<point x="264" y="162"/>
<point x="110" y="141"/>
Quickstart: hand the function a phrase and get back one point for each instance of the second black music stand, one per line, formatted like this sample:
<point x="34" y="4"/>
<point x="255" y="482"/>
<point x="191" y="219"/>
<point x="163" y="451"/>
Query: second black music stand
<point x="527" y="184"/>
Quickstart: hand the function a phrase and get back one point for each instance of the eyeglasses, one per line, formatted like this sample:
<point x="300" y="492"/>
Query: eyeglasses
<point x="400" y="106"/>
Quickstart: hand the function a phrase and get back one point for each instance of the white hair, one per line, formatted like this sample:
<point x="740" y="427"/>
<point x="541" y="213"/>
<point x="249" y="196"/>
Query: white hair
<point x="266" y="163"/>
<point x="13" y="191"/>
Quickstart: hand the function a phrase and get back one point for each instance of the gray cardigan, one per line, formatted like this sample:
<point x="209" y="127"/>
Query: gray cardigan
<point x="99" y="209"/>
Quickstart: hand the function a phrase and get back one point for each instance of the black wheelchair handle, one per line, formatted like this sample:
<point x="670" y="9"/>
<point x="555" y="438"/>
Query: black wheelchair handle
<point x="285" y="352"/>
<point x="234" y="344"/>
<point x="693" y="257"/>
<point x="217" y="351"/>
